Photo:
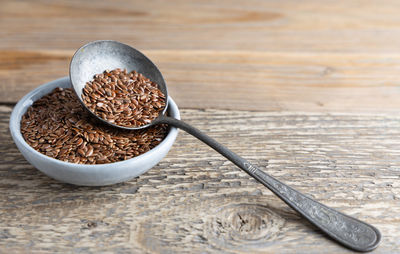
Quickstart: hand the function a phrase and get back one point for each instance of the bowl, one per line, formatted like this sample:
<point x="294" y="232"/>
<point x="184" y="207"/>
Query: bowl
<point x="82" y="174"/>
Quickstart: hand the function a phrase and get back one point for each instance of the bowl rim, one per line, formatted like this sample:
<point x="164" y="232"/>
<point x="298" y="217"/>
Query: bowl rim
<point x="15" y="130"/>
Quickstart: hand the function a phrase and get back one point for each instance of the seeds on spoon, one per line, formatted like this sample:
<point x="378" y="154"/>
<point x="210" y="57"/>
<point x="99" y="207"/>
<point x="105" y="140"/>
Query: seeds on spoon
<point x="125" y="99"/>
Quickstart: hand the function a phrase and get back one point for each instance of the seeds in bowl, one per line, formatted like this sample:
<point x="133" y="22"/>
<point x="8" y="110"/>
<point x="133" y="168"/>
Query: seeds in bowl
<point x="58" y="126"/>
<point x="122" y="98"/>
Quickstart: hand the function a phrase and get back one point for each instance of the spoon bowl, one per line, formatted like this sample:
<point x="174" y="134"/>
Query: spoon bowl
<point x="98" y="56"/>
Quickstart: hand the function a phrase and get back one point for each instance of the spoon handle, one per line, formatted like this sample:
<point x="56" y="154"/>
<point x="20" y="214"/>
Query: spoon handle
<point x="348" y="231"/>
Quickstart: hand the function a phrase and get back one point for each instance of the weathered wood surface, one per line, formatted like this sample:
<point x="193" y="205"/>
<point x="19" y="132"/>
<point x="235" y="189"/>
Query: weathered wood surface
<point x="195" y="201"/>
<point x="249" y="55"/>
<point x="266" y="78"/>
<point x="240" y="80"/>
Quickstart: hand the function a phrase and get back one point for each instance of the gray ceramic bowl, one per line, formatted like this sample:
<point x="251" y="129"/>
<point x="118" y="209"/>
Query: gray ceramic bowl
<point x="80" y="174"/>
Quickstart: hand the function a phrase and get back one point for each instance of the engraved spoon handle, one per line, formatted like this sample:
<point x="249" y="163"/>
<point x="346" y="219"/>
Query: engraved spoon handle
<point x="348" y="231"/>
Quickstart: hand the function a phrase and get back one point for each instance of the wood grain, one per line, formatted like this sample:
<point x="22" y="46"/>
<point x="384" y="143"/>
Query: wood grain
<point x="240" y="80"/>
<point x="194" y="201"/>
<point x="266" y="78"/>
<point x="254" y="55"/>
<point x="273" y="26"/>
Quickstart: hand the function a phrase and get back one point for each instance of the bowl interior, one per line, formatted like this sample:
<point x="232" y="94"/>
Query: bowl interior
<point x="23" y="105"/>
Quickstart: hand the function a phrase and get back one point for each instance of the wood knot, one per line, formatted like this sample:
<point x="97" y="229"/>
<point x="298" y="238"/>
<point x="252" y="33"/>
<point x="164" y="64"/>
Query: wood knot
<point x="244" y="226"/>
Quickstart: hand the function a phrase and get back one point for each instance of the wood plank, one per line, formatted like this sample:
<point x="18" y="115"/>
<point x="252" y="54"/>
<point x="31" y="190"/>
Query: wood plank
<point x="240" y="80"/>
<point x="257" y="55"/>
<point x="277" y="26"/>
<point x="195" y="201"/>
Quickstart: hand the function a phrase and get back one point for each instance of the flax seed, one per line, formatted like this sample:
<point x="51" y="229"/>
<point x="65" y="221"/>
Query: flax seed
<point x="107" y="91"/>
<point x="58" y="126"/>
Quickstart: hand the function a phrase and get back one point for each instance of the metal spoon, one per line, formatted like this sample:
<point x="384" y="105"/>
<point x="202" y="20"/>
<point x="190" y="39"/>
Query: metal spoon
<point x="97" y="56"/>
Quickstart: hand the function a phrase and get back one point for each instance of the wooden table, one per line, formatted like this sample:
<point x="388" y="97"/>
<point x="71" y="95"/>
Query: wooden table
<point x="307" y="90"/>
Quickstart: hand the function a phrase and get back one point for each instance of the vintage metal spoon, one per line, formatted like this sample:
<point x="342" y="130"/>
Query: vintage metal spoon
<point x="97" y="56"/>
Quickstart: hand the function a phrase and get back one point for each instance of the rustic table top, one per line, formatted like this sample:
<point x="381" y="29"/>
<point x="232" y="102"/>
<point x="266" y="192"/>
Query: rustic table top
<point x="307" y="90"/>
